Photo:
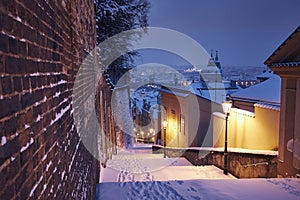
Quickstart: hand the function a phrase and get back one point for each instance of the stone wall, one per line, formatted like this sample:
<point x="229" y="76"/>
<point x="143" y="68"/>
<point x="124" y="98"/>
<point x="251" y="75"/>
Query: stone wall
<point x="42" y="44"/>
<point x="241" y="165"/>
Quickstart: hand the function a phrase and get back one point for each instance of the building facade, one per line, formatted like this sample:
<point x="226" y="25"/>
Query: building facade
<point x="285" y="61"/>
<point x="189" y="118"/>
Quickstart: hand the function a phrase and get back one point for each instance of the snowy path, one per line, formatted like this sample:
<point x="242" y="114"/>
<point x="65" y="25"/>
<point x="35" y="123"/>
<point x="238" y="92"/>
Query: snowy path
<point x="139" y="164"/>
<point x="246" y="189"/>
<point x="138" y="174"/>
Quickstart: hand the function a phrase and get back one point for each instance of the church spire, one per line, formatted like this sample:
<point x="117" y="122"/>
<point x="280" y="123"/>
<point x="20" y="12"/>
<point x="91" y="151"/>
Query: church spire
<point x="211" y="54"/>
<point x="217" y="57"/>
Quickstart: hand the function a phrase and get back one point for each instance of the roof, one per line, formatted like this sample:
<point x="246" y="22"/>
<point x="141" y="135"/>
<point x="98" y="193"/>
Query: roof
<point x="266" y="74"/>
<point x="268" y="106"/>
<point x="175" y="91"/>
<point x="288" y="51"/>
<point x="267" y="91"/>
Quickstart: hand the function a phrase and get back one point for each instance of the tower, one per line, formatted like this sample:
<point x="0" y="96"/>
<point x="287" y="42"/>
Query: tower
<point x="218" y="64"/>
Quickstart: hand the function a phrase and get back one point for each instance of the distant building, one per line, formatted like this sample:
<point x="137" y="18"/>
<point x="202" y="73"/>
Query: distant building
<point x="285" y="61"/>
<point x="211" y="85"/>
<point x="265" y="76"/>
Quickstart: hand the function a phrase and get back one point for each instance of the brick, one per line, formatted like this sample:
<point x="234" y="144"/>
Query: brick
<point x="48" y="40"/>
<point x="25" y="191"/>
<point x="17" y="84"/>
<point x="25" y="173"/>
<point x="13" y="45"/>
<point x="33" y="51"/>
<point x="26" y="118"/>
<point x="13" y="65"/>
<point x="9" y="106"/>
<point x="29" y="34"/>
<point x="11" y="7"/>
<point x="22" y="48"/>
<point x="11" y="147"/>
<point x="25" y="81"/>
<point x="6" y="85"/>
<point x="33" y="82"/>
<point x="8" y="192"/>
<point x="4" y="43"/>
<point x="27" y="100"/>
<point x="10" y="126"/>
<point x="7" y="23"/>
<point x="2" y="69"/>
<point x="14" y="167"/>
<point x="4" y="177"/>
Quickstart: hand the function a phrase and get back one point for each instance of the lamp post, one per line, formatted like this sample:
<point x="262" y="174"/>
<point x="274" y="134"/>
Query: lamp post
<point x="165" y="124"/>
<point x="226" y="105"/>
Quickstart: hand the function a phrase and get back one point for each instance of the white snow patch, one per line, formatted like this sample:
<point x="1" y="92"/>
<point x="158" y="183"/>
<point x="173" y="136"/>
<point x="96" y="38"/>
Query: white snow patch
<point x="58" y="83"/>
<point x="60" y="114"/>
<point x="236" y="150"/>
<point x="48" y="165"/>
<point x="3" y="140"/>
<point x="57" y="94"/>
<point x="38" y="118"/>
<point x="12" y="158"/>
<point x="63" y="175"/>
<point x="19" y="19"/>
<point x="26" y="126"/>
<point x="73" y="157"/>
<point x="34" y="74"/>
<point x="35" y="186"/>
<point x="27" y="145"/>
<point x="44" y="158"/>
<point x="220" y="115"/>
<point x="1" y="96"/>
<point x="51" y="190"/>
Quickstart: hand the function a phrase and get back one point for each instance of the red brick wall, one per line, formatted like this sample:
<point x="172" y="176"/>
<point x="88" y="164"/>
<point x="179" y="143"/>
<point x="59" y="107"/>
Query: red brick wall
<point x="42" y="44"/>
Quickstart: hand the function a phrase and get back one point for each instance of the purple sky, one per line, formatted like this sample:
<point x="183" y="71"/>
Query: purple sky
<point x="245" y="32"/>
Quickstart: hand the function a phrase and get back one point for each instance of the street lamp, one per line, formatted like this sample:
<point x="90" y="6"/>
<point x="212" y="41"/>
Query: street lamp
<point x="226" y="105"/>
<point x="165" y="124"/>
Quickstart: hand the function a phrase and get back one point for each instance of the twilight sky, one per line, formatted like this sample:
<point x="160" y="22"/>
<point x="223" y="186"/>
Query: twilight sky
<point x="245" y="32"/>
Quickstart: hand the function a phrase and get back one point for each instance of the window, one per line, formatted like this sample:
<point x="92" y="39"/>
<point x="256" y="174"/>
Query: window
<point x="182" y="124"/>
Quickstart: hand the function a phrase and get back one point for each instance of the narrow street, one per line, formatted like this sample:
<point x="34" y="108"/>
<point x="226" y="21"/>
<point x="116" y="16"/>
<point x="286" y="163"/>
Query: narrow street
<point x="138" y="174"/>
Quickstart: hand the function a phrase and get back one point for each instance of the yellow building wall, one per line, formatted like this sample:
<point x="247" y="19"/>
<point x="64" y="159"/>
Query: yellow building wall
<point x="197" y="114"/>
<point x="258" y="132"/>
<point x="171" y="112"/>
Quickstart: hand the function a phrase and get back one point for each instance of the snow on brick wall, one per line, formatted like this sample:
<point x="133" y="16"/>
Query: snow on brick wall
<point x="42" y="44"/>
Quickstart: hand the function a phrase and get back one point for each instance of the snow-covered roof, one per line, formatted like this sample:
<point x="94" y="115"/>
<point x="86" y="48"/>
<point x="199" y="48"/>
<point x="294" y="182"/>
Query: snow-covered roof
<point x="288" y="51"/>
<point x="181" y="93"/>
<point x="266" y="74"/>
<point x="285" y="64"/>
<point x="267" y="91"/>
<point x="268" y="106"/>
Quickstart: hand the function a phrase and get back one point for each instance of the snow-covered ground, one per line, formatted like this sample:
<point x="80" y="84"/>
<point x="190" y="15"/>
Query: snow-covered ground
<point x="138" y="174"/>
<point x="228" y="189"/>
